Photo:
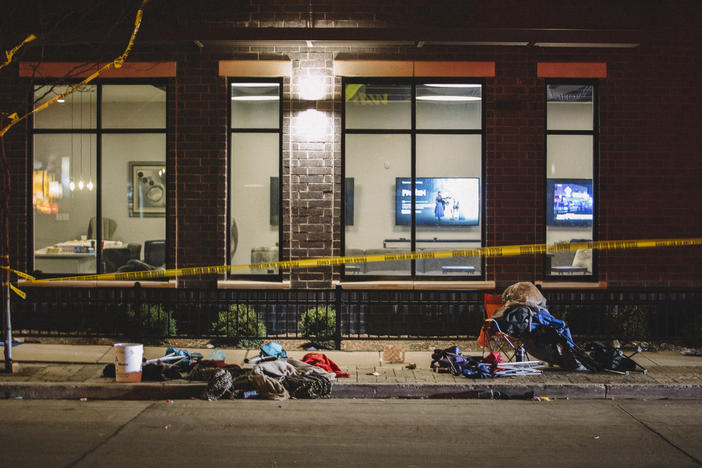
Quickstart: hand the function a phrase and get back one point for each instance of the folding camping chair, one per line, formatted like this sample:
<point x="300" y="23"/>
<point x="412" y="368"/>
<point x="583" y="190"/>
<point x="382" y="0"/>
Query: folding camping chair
<point x="491" y="338"/>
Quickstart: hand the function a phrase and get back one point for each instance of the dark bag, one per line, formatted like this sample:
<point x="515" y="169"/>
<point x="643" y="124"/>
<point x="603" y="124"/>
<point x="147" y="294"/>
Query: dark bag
<point x="549" y="344"/>
<point x="476" y="368"/>
<point x="448" y="360"/>
<point x="610" y="358"/>
<point x="516" y="320"/>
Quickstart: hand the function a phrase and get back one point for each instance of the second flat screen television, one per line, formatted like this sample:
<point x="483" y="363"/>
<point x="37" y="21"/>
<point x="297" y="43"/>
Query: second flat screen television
<point x="569" y="202"/>
<point x="442" y="201"/>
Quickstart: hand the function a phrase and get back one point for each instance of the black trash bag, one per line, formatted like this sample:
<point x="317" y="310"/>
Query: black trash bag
<point x="515" y="321"/>
<point x="547" y="344"/>
<point x="447" y="360"/>
<point x="153" y="372"/>
<point x="109" y="371"/>
<point x="610" y="358"/>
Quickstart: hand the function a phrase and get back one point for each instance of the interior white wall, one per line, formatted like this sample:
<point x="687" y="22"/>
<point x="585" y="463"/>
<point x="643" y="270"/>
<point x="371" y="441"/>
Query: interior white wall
<point x="134" y="115"/>
<point x="255" y="114"/>
<point x="117" y="152"/>
<point x="449" y="115"/>
<point x="254" y="160"/>
<point x="76" y="112"/>
<point x="124" y="106"/>
<point x="393" y="115"/>
<point x="54" y="153"/>
<point x="449" y="156"/>
<point x="396" y="114"/>
<point x="375" y="161"/>
<point x="133" y="106"/>
<point x="569" y="115"/>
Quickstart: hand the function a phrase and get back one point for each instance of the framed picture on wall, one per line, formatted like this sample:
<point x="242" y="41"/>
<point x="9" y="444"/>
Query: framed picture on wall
<point x="146" y="189"/>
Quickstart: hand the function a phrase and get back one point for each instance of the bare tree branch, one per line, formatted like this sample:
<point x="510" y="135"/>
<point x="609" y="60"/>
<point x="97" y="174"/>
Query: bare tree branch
<point x="116" y="63"/>
<point x="9" y="54"/>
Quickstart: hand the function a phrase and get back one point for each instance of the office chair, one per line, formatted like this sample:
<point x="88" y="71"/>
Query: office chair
<point x="109" y="226"/>
<point x="112" y="259"/>
<point x="155" y="252"/>
<point x="134" y="251"/>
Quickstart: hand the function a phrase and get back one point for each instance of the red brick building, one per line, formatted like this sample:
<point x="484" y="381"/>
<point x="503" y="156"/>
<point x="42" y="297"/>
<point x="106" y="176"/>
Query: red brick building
<point x="541" y="122"/>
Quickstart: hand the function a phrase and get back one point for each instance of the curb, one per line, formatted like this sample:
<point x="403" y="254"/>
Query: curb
<point x="114" y="391"/>
<point x="517" y="391"/>
<point x="180" y="391"/>
<point x="467" y="391"/>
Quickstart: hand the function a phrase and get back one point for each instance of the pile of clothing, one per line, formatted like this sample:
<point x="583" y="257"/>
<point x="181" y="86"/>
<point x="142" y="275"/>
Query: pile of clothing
<point x="451" y="360"/>
<point x="274" y="376"/>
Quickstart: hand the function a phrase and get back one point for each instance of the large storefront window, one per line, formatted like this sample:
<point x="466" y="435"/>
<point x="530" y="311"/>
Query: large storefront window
<point x="99" y="179"/>
<point x="413" y="168"/>
<point x="256" y="138"/>
<point x="571" y="136"/>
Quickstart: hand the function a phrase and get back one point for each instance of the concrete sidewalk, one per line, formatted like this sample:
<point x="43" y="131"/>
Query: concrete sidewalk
<point x="52" y="371"/>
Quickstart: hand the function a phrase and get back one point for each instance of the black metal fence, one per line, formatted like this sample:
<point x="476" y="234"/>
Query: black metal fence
<point x="335" y="315"/>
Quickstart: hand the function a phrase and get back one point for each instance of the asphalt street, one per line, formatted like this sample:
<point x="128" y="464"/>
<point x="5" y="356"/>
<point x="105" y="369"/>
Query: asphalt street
<point x="350" y="433"/>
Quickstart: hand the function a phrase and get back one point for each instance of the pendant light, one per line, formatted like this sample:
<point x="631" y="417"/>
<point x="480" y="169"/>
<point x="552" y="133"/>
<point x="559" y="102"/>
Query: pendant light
<point x="81" y="184"/>
<point x="90" y="146"/>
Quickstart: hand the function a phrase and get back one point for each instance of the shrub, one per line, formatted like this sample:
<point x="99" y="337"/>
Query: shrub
<point x="241" y="325"/>
<point x="150" y="321"/>
<point x="629" y="322"/>
<point x="318" y="324"/>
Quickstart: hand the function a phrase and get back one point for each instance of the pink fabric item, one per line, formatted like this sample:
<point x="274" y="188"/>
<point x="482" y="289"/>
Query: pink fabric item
<point x="493" y="358"/>
<point x="322" y="361"/>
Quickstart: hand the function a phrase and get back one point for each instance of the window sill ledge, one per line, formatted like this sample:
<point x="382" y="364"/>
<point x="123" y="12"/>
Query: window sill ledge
<point x="243" y="284"/>
<point x="424" y="285"/>
<point x="571" y="285"/>
<point x="98" y="284"/>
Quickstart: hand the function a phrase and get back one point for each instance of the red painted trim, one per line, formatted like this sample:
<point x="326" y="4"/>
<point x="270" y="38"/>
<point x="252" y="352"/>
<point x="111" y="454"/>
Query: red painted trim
<point x="571" y="70"/>
<point x="82" y="70"/>
<point x="454" y="69"/>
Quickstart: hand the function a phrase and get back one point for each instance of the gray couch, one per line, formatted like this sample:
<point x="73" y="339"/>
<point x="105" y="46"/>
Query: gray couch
<point x="425" y="266"/>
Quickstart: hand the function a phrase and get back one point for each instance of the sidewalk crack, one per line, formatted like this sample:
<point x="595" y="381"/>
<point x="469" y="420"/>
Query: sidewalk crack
<point x="674" y="445"/>
<point x="110" y="437"/>
<point x="99" y="360"/>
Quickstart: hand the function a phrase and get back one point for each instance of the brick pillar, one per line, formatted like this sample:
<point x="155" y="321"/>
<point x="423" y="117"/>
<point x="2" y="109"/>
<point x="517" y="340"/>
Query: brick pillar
<point x="311" y="155"/>
<point x="515" y="169"/>
<point x="199" y="168"/>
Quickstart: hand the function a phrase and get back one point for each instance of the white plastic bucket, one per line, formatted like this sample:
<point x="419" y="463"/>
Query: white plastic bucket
<point x="128" y="361"/>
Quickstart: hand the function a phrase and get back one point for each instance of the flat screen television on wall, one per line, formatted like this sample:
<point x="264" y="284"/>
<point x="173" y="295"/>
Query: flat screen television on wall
<point x="439" y="201"/>
<point x="569" y="202"/>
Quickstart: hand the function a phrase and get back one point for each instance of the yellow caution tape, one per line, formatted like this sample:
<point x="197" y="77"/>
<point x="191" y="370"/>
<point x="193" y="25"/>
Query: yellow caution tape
<point x="499" y="251"/>
<point x="19" y="292"/>
<point x="19" y="273"/>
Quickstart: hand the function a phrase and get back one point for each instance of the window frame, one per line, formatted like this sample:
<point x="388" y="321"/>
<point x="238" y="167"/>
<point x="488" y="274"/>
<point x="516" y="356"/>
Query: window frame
<point x="278" y="277"/>
<point x="413" y="131"/>
<point x="98" y="131"/>
<point x="594" y="133"/>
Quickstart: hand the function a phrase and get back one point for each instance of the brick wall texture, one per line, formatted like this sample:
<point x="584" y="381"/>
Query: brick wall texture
<point x="649" y="166"/>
